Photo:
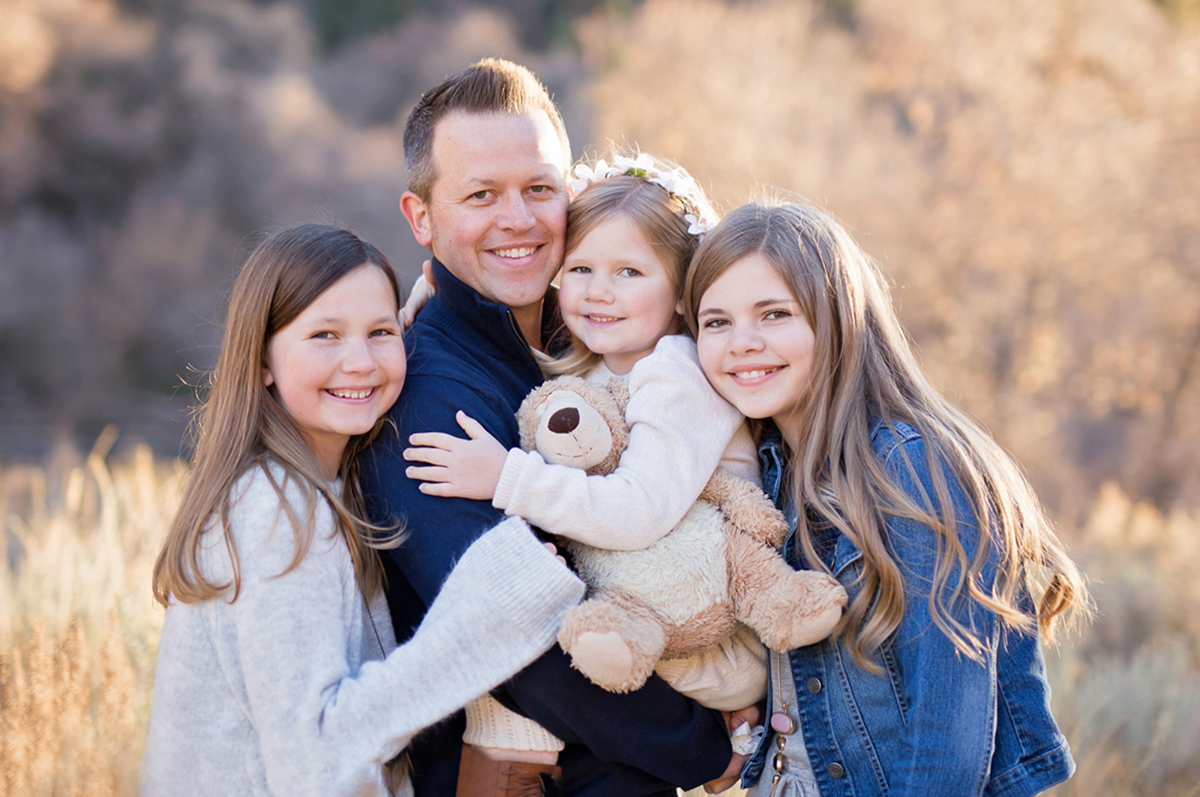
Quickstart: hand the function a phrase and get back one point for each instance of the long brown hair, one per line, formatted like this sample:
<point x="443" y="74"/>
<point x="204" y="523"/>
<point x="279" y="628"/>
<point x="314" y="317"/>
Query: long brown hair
<point x="657" y="214"/>
<point x="864" y="368"/>
<point x="241" y="424"/>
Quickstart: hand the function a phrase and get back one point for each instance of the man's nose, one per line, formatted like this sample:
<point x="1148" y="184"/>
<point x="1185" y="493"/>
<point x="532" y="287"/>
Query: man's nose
<point x="515" y="213"/>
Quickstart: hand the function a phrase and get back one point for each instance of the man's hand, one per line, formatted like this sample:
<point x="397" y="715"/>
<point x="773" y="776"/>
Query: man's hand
<point x="750" y="715"/>
<point x="457" y="468"/>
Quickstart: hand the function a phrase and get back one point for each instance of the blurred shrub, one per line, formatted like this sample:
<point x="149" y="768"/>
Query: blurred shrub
<point x="144" y="146"/>
<point x="1026" y="170"/>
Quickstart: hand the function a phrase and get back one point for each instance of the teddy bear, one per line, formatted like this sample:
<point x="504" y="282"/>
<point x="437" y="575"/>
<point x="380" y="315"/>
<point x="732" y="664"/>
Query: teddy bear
<point x="689" y="591"/>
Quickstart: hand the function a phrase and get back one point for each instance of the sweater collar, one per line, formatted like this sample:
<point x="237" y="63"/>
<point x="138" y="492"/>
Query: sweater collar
<point x="494" y="320"/>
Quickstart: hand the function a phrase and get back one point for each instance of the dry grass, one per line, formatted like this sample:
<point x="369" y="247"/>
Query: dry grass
<point x="79" y="632"/>
<point x="78" y="628"/>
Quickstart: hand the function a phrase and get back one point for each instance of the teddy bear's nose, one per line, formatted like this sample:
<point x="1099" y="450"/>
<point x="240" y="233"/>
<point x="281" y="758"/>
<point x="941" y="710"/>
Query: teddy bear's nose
<point x="563" y="421"/>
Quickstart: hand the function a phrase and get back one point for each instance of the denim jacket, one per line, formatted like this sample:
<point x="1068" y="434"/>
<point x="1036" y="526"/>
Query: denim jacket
<point x="935" y="722"/>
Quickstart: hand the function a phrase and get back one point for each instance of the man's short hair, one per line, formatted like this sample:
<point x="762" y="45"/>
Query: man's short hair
<point x="492" y="85"/>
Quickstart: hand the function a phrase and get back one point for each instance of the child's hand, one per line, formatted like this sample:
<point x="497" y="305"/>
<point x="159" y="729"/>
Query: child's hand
<point x="751" y="716"/>
<point x="422" y="291"/>
<point x="457" y="468"/>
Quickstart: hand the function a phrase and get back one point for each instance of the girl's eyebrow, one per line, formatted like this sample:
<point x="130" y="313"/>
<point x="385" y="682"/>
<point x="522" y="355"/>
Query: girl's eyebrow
<point x="761" y="303"/>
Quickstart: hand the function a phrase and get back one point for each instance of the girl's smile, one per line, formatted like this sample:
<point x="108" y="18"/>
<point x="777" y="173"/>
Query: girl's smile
<point x="755" y="344"/>
<point x="616" y="295"/>
<point x="339" y="365"/>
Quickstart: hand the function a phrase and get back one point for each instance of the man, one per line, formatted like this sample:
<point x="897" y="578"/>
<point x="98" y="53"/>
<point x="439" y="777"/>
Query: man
<point x="487" y="158"/>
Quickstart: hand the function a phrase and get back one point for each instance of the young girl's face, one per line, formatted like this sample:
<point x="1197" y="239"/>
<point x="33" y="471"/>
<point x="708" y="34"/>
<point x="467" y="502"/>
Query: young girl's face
<point x="756" y="346"/>
<point x="616" y="295"/>
<point x="339" y="365"/>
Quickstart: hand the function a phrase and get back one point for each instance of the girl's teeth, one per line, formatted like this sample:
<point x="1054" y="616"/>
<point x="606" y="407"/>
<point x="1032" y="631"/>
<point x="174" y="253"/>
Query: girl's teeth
<point x="352" y="394"/>
<point x="754" y="374"/>
<point x="523" y="251"/>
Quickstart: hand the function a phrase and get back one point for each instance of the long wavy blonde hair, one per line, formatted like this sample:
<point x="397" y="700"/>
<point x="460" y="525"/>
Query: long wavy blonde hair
<point x="864" y="368"/>
<point x="241" y="424"/>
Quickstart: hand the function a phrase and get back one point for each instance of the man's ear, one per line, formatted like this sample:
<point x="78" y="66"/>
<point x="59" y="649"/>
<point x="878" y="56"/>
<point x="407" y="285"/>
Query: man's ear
<point x="417" y="214"/>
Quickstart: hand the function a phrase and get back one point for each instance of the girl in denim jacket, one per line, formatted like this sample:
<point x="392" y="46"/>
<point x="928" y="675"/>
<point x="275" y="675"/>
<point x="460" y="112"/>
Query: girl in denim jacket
<point x="934" y="684"/>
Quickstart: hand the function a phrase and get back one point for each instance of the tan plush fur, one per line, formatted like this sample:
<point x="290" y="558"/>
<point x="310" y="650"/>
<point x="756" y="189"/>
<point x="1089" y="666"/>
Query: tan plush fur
<point x="684" y="593"/>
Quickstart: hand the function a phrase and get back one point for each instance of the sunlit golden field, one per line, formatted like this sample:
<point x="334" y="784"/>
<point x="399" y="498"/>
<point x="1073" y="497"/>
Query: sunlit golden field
<point x="78" y="627"/>
<point x="1028" y="172"/>
<point x="80" y="631"/>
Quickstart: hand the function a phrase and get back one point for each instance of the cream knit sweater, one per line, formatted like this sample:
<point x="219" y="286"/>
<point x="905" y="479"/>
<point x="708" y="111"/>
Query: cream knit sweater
<point x="679" y="431"/>
<point x="286" y="691"/>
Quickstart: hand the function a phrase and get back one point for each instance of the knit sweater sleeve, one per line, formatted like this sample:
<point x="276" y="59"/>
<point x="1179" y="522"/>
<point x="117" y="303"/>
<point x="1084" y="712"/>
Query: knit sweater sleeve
<point x="679" y="430"/>
<point x="325" y="728"/>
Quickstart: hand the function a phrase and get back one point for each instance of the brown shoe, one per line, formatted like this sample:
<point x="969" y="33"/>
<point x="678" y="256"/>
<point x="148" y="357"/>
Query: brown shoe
<point x="481" y="776"/>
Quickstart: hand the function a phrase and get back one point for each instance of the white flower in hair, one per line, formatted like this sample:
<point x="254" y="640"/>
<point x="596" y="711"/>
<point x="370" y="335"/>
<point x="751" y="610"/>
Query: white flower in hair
<point x="675" y="182"/>
<point x="696" y="225"/>
<point x="586" y="175"/>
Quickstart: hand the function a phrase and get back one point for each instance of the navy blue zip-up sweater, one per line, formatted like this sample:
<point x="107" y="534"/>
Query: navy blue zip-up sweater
<point x="465" y="353"/>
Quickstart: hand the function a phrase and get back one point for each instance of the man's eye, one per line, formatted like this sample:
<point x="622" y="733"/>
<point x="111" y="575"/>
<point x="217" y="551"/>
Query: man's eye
<point x="480" y="195"/>
<point x="539" y="189"/>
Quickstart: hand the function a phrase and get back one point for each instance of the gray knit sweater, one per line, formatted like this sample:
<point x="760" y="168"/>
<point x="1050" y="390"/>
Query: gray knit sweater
<point x="286" y="691"/>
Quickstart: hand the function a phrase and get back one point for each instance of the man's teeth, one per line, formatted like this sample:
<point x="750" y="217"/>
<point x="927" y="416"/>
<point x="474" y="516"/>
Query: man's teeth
<point x="353" y="394"/>
<point x="756" y="374"/>
<point x="523" y="251"/>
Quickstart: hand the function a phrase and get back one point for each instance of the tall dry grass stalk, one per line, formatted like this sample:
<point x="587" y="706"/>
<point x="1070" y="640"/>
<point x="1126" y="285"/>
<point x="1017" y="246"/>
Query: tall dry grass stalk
<point x="79" y="634"/>
<point x="78" y="627"/>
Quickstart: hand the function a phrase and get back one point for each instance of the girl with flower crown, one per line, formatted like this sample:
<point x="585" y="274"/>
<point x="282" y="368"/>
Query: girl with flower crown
<point x="632" y="229"/>
<point x="935" y="683"/>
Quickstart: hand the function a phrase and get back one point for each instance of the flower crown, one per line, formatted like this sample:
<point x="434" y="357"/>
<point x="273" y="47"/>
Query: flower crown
<point x="675" y="182"/>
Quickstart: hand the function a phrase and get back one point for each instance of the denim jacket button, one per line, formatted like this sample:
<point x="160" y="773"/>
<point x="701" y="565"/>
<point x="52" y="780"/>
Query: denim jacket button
<point x="814" y="685"/>
<point x="836" y="770"/>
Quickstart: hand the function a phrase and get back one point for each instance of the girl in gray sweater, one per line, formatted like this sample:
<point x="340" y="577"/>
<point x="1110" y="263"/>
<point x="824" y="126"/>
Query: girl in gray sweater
<point x="278" y="672"/>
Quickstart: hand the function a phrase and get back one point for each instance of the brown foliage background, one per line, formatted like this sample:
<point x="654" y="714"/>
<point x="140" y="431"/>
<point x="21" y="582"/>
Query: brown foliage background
<point x="1028" y="171"/>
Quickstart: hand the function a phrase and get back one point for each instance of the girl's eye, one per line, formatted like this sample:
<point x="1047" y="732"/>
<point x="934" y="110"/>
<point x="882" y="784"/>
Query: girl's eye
<point x="578" y="270"/>
<point x="630" y="271"/>
<point x="714" y="323"/>
<point x="379" y="333"/>
<point x="777" y="315"/>
<point x="323" y="335"/>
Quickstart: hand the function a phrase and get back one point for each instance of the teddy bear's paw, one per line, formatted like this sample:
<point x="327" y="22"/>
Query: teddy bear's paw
<point x="615" y="643"/>
<point x="605" y="659"/>
<point x="799" y="610"/>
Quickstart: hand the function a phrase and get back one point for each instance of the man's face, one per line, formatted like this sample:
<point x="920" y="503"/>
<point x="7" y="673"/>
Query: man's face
<point x="497" y="213"/>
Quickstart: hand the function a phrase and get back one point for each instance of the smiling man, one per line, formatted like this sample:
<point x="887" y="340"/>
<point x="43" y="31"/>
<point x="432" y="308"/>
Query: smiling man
<point x="487" y="158"/>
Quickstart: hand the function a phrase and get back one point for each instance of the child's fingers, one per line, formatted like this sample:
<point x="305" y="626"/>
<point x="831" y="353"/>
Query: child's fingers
<point x="440" y="490"/>
<point x="433" y="440"/>
<point x="432" y="456"/>
<point x="427" y="474"/>
<point x="472" y="427"/>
